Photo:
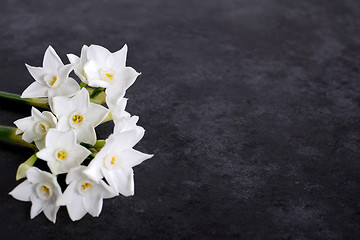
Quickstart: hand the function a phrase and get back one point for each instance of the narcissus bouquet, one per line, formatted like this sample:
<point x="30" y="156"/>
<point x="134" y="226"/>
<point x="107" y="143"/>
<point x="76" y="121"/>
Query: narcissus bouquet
<point x="63" y="135"/>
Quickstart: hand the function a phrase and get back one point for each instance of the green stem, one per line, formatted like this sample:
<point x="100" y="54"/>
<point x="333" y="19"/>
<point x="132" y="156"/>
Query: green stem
<point x="9" y="134"/>
<point x="82" y="84"/>
<point x="96" y="92"/>
<point x="22" y="169"/>
<point x="36" y="102"/>
<point x="99" y="144"/>
<point x="99" y="97"/>
<point x="109" y="117"/>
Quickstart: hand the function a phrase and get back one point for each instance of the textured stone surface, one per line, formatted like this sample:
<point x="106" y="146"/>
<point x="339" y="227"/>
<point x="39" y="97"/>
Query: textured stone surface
<point x="250" y="107"/>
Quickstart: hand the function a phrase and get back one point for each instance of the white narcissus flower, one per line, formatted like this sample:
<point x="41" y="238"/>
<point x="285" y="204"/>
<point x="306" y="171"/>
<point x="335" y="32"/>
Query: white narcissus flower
<point x="35" y="127"/>
<point x="61" y="151"/>
<point x="51" y="79"/>
<point x="107" y="70"/>
<point x="79" y="63"/>
<point x="83" y="194"/>
<point x="115" y="161"/>
<point x="42" y="189"/>
<point x="80" y="114"/>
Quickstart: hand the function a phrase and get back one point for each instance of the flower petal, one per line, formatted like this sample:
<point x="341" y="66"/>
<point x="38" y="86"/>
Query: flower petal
<point x="64" y="71"/>
<point x="81" y="101"/>
<point x="35" y="90"/>
<point x="131" y="157"/>
<point x="68" y="88"/>
<point x="76" y="209"/>
<point x="50" y="211"/>
<point x="78" y="154"/>
<point x="24" y="123"/>
<point x="125" y="140"/>
<point x="37" y="206"/>
<point x="87" y="134"/>
<point x="35" y="175"/>
<point x="122" y="180"/>
<point x="23" y="191"/>
<point x="73" y="59"/>
<point x="97" y="53"/>
<point x="61" y="106"/>
<point x="93" y="204"/>
<point x="51" y="60"/>
<point x="96" y="114"/>
<point x="118" y="58"/>
<point x="37" y="73"/>
<point x="46" y="154"/>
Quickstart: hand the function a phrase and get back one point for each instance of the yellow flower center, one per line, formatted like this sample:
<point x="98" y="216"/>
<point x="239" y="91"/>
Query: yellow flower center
<point x="110" y="76"/>
<point x="45" y="189"/>
<point x="61" y="155"/>
<point x="113" y="160"/>
<point x="77" y="118"/>
<point x="43" y="127"/>
<point x="54" y="78"/>
<point x="85" y="185"/>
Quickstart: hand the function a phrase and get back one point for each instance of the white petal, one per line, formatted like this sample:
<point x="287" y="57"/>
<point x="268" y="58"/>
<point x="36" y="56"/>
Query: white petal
<point x="35" y="175"/>
<point x="87" y="133"/>
<point x="76" y="209"/>
<point x="36" y="114"/>
<point x="96" y="114"/>
<point x="68" y="88"/>
<point x="118" y="59"/>
<point x="30" y="136"/>
<point x="46" y="154"/>
<point x="50" y="118"/>
<point x="81" y="101"/>
<point x="127" y="77"/>
<point x="93" y="169"/>
<point x="65" y="70"/>
<point x="92" y="71"/>
<point x="57" y="167"/>
<point x="114" y="94"/>
<point x="69" y="194"/>
<point x="23" y="191"/>
<point x="78" y="154"/>
<point x="97" y="53"/>
<point x="124" y="140"/>
<point x="50" y="211"/>
<point x="35" y="90"/>
<point x="73" y="59"/>
<point x="75" y="174"/>
<point x="122" y="180"/>
<point x="51" y="60"/>
<point x="37" y="73"/>
<point x="24" y="124"/>
<point x="61" y="106"/>
<point x="63" y="124"/>
<point x="93" y="204"/>
<point x="56" y="138"/>
<point x="132" y="157"/>
<point x="37" y="206"/>
<point x="40" y="144"/>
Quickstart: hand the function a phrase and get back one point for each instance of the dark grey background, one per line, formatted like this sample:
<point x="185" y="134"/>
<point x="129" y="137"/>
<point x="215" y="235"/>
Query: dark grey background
<point x="250" y="107"/>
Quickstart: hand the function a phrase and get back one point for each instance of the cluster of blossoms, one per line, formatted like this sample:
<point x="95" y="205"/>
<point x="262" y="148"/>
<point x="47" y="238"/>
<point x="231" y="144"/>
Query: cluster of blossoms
<point x="65" y="136"/>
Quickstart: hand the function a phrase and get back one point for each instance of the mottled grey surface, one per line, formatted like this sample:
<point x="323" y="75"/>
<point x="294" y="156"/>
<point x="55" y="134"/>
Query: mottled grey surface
<point x="250" y="107"/>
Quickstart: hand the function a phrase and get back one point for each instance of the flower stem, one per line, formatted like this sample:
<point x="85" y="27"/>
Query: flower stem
<point x="98" y="97"/>
<point x="109" y="117"/>
<point x="36" y="102"/>
<point x="99" y="144"/>
<point x="96" y="92"/>
<point x="82" y="84"/>
<point x="9" y="134"/>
